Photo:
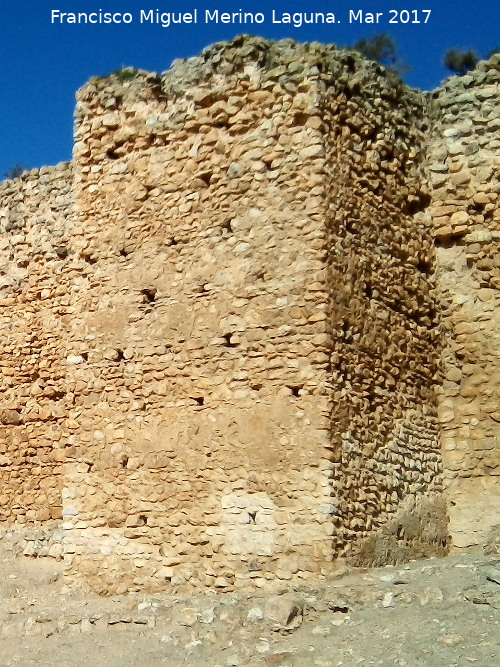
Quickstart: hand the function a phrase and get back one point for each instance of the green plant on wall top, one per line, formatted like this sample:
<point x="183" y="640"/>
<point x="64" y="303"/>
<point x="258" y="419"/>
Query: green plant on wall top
<point x="384" y="50"/>
<point x="460" y="62"/>
<point x="15" y="171"/>
<point x="125" y="73"/>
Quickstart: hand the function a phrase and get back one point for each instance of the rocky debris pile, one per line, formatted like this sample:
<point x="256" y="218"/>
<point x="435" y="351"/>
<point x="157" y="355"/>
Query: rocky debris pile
<point x="37" y="543"/>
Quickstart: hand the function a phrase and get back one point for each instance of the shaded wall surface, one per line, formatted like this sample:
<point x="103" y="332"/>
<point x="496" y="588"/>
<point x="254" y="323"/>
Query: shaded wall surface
<point x="384" y="321"/>
<point x="223" y="365"/>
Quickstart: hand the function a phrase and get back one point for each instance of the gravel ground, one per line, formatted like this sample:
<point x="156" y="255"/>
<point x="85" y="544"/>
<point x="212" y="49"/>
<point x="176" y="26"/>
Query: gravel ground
<point x="427" y="613"/>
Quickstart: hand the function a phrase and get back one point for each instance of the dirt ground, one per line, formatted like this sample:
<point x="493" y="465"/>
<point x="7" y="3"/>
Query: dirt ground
<point x="427" y="613"/>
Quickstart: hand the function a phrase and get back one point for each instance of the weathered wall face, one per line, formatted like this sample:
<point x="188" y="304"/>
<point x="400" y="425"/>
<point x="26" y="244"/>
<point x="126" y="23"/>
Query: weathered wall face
<point x="35" y="220"/>
<point x="204" y="439"/>
<point x="224" y="322"/>
<point x="464" y="175"/>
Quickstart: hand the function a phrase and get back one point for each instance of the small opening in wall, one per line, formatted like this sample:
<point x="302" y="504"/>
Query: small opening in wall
<point x="419" y="204"/>
<point x="61" y="252"/>
<point x="124" y="461"/>
<point x="142" y="520"/>
<point x="295" y="390"/>
<point x="413" y="207"/>
<point x="475" y="208"/>
<point x="199" y="399"/>
<point x="425" y="319"/>
<point x="488" y="216"/>
<point x="339" y="609"/>
<point x="120" y="356"/>
<point x="444" y="242"/>
<point x="389" y="155"/>
<point x="206" y="177"/>
<point x="203" y="290"/>
<point x="350" y="226"/>
<point x="229" y="342"/>
<point x="370" y="133"/>
<point x="424" y="266"/>
<point x="84" y="355"/>
<point x="110" y="153"/>
<point x="350" y="64"/>
<point x="254" y="566"/>
<point x="300" y="119"/>
<point x="252" y="516"/>
<point x="90" y="259"/>
<point x="368" y="291"/>
<point x="227" y="227"/>
<point x="149" y="294"/>
<point x="372" y="399"/>
<point x="123" y="252"/>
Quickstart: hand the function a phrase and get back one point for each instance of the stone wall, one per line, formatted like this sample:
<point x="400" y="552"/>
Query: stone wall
<point x="464" y="175"/>
<point x="35" y="220"/>
<point x="224" y="322"/>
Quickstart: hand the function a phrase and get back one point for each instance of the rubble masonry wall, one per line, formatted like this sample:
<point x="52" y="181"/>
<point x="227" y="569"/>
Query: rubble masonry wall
<point x="464" y="163"/>
<point x="36" y="215"/>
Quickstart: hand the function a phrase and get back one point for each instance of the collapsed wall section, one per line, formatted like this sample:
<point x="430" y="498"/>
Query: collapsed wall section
<point x="36" y="217"/>
<point x="464" y="165"/>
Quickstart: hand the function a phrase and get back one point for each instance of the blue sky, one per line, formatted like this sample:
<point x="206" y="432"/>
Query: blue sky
<point x="44" y="63"/>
